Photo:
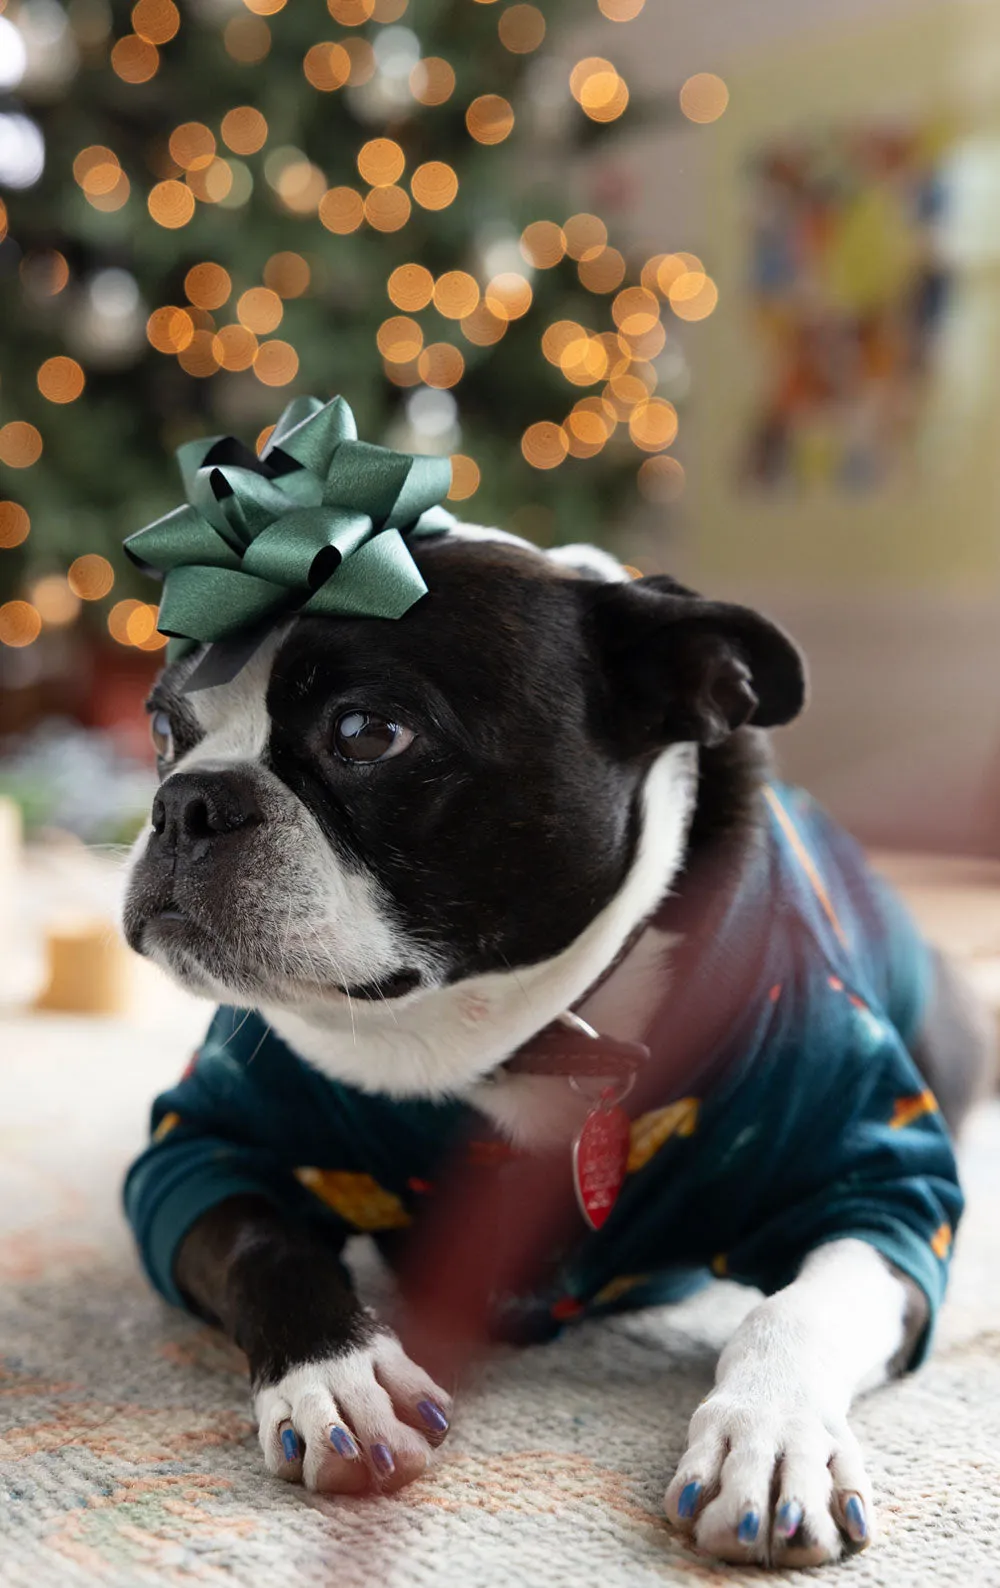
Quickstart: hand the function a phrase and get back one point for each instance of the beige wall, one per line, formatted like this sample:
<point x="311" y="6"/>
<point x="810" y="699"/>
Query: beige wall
<point x="895" y="595"/>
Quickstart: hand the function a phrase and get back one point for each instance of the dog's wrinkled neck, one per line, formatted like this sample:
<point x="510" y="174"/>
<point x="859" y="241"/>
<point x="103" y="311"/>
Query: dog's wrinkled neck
<point x="444" y="1041"/>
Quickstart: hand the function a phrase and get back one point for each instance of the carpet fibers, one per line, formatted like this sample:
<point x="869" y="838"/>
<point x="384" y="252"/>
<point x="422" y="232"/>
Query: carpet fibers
<point x="128" y="1457"/>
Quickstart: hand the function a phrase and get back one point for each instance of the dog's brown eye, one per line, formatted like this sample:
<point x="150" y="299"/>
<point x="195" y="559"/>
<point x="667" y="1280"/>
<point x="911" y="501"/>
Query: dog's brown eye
<point x="162" y="735"/>
<point x="360" y="736"/>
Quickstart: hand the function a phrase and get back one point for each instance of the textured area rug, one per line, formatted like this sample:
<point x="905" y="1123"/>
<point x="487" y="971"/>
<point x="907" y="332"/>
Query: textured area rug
<point x="127" y="1454"/>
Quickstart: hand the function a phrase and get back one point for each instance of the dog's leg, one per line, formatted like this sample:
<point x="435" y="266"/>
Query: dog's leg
<point x="339" y="1404"/>
<point x="772" y="1473"/>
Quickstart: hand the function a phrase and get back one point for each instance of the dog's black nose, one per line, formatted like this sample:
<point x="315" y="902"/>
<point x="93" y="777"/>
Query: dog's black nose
<point x="194" y="806"/>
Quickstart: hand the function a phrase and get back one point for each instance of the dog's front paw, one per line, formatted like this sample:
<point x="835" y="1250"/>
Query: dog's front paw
<point x="777" y="1485"/>
<point x="365" y="1417"/>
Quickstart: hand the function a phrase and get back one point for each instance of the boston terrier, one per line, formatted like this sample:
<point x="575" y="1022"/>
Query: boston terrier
<point x="528" y="966"/>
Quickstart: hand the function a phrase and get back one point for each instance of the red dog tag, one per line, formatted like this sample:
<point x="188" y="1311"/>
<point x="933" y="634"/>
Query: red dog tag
<point x="600" y="1159"/>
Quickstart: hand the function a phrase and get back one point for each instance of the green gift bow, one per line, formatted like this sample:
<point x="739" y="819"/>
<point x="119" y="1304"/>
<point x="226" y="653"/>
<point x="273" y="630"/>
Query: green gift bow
<point x="313" y="525"/>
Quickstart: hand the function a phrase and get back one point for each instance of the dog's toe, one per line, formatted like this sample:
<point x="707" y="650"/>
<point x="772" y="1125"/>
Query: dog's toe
<point x="764" y="1486"/>
<point x="366" y="1418"/>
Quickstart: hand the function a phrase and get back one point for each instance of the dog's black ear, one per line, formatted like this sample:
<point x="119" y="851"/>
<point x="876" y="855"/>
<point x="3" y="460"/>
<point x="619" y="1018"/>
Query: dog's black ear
<point x="683" y="668"/>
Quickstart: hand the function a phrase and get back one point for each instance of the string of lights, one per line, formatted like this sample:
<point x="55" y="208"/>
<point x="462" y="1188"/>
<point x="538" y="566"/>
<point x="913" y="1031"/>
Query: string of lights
<point x="187" y="273"/>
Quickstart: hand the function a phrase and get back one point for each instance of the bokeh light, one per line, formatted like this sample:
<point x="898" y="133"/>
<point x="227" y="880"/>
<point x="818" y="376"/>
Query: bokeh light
<point x="508" y="295"/>
<point x="171" y="204"/>
<point x="244" y="130"/>
<point x="287" y="274"/>
<point x="543" y="244"/>
<point x="704" y="97"/>
<point x="44" y="273"/>
<point x="456" y="294"/>
<point x="341" y="210"/>
<point x="118" y="618"/>
<point x="521" y="29"/>
<point x="61" y="380"/>
<point x="441" y="365"/>
<point x="661" y="479"/>
<point x="381" y="162"/>
<point x="693" y="295"/>
<point x="56" y="603"/>
<point x="276" y="363"/>
<point x="434" y="185"/>
<point x="601" y="270"/>
<point x="208" y="285"/>
<point x="91" y="577"/>
<point x="558" y="337"/>
<point x="620" y="10"/>
<point x="234" y="347"/>
<point x="635" y="310"/>
<point x="402" y="375"/>
<point x="198" y="358"/>
<point x="327" y="67"/>
<point x="653" y="424"/>
<point x="410" y="287"/>
<point x="387" y="208"/>
<point x="584" y="234"/>
<point x="351" y="13"/>
<point x="598" y="88"/>
<point x="192" y="145"/>
<point x="247" y="39"/>
<point x="20" y="444"/>
<point x="363" y="62"/>
<point x="465" y="477"/>
<point x="15" y="525"/>
<point x="260" y="310"/>
<point x="662" y="271"/>
<point x="20" y="623"/>
<point x="432" y="81"/>
<point x="489" y="119"/>
<point x="484" y="328"/>
<point x="169" y="329"/>
<point x="544" y="445"/>
<point x="301" y="186"/>
<point x="399" y="339"/>
<point x="134" y="59"/>
<point x="96" y="169"/>
<point x="212" y="183"/>
<point x="156" y="21"/>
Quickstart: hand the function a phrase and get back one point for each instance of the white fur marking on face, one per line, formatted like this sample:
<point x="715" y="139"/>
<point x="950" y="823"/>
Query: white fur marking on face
<point x="233" y="716"/>
<point x="591" y="561"/>
<point x="443" y="1040"/>
<point x="311" y="918"/>
<point x="775" y="1427"/>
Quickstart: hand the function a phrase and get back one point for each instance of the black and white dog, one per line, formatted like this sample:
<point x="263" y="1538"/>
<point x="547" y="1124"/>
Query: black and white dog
<point x="412" y="846"/>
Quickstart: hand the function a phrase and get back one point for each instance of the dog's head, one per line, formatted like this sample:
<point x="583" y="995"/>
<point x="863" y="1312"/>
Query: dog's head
<point x="374" y="809"/>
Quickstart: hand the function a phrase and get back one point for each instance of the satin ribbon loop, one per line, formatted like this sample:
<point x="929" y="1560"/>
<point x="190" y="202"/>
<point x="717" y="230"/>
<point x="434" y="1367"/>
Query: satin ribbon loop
<point x="316" y="524"/>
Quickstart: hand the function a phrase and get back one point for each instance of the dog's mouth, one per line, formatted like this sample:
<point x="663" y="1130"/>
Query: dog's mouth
<point x="192" y="950"/>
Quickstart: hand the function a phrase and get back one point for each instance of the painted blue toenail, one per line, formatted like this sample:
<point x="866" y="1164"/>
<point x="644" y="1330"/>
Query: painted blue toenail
<point x="857" y="1525"/>
<point x="290" y="1444"/>
<point x="749" y="1528"/>
<point x="433" y="1416"/>
<point x="382" y="1457"/>
<point x="688" y="1502"/>
<point x="786" y="1523"/>
<point x="343" y="1444"/>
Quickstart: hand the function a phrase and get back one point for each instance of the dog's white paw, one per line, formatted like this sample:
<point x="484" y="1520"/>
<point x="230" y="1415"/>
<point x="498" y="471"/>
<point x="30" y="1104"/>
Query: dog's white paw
<point x="368" y="1417"/>
<point x="774" y="1483"/>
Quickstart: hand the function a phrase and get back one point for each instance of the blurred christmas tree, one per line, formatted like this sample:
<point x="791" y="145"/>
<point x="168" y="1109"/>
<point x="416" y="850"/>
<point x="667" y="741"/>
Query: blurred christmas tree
<point x="248" y="200"/>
